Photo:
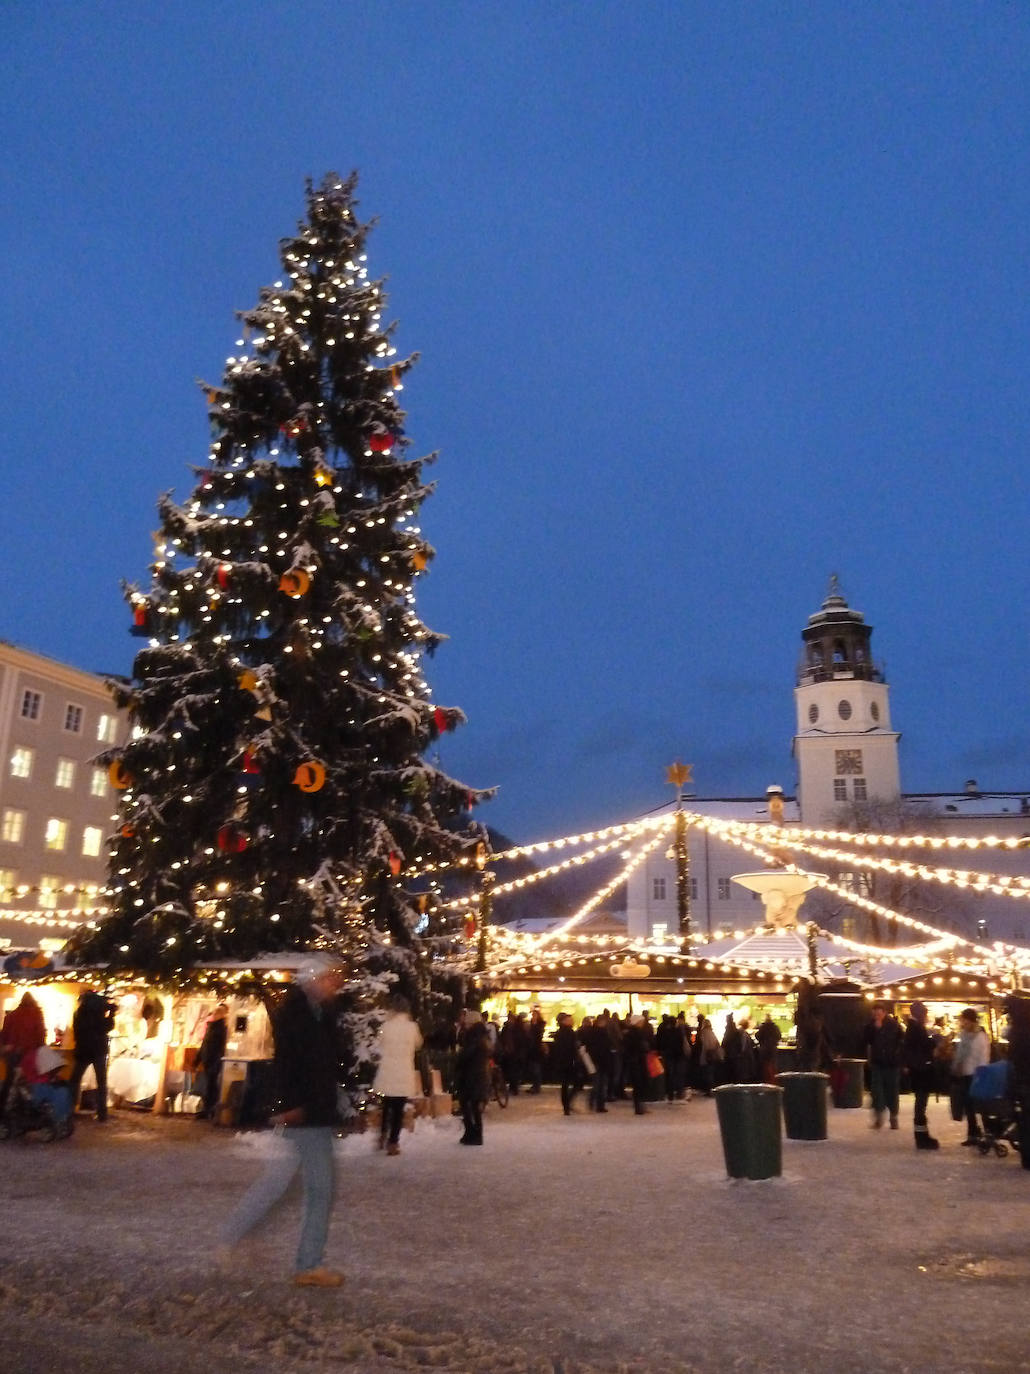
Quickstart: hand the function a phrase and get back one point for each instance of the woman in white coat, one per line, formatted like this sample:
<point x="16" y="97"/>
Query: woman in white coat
<point x="399" y="1039"/>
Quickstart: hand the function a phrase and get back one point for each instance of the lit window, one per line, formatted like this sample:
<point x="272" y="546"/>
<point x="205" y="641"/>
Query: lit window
<point x="724" y="889"/>
<point x="12" y="828"/>
<point x="49" y="887"/>
<point x="658" y="889"/>
<point x="860" y="790"/>
<point x="7" y="877"/>
<point x="31" y="704"/>
<point x="73" y="718"/>
<point x="92" y="837"/>
<point x="65" y="773"/>
<point x="56" y="833"/>
<point x="98" y="783"/>
<point x="107" y="729"/>
<point x="840" y="789"/>
<point x="21" y="762"/>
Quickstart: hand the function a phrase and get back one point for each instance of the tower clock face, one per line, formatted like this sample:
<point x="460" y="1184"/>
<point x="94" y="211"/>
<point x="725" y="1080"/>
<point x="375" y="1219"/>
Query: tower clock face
<point x="813" y="714"/>
<point x="844" y="709"/>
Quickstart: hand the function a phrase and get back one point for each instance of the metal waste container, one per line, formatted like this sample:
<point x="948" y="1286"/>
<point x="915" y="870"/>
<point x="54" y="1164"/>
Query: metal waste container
<point x="804" y="1104"/>
<point x="786" y="1058"/>
<point x="847" y="1082"/>
<point x="749" y="1123"/>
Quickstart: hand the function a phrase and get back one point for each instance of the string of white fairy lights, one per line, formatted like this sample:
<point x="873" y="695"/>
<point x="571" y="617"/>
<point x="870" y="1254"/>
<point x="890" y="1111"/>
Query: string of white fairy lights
<point x="1016" y="953"/>
<point x="780" y="834"/>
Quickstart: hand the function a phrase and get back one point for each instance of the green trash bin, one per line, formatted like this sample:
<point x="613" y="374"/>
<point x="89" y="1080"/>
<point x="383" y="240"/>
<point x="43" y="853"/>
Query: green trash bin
<point x="804" y="1104"/>
<point x="749" y="1123"/>
<point x="847" y="1082"/>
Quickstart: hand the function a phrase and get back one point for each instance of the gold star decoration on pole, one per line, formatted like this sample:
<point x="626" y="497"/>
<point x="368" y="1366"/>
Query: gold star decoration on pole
<point x="678" y="773"/>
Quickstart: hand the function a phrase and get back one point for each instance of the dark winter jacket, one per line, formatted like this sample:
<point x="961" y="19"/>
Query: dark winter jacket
<point x="564" y="1052"/>
<point x="768" y="1036"/>
<point x="91" y="1025"/>
<point x="212" y="1047"/>
<point x="598" y="1045"/>
<point x="471" y="1080"/>
<point x="306" y="1064"/>
<point x="917" y="1055"/>
<point x="883" y="1043"/>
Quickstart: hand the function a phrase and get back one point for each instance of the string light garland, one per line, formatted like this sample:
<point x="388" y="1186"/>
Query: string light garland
<point x="781" y="836"/>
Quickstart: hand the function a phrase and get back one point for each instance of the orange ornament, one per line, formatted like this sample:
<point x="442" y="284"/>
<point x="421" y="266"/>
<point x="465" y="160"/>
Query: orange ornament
<point x="310" y="776"/>
<point x="294" y="583"/>
<point x="119" y="775"/>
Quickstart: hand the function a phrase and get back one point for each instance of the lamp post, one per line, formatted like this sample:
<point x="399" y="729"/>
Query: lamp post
<point x="677" y="774"/>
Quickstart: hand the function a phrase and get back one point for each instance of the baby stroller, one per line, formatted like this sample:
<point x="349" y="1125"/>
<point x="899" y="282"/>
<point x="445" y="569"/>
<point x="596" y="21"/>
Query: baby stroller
<point x="990" y="1094"/>
<point x="36" y="1099"/>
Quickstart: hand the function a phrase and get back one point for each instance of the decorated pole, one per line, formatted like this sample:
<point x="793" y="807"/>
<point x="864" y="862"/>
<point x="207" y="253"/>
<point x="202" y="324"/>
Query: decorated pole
<point x="678" y="774"/>
<point x="486" y="904"/>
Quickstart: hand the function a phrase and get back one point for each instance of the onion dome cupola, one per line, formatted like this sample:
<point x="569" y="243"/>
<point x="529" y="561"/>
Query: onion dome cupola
<point x="845" y="748"/>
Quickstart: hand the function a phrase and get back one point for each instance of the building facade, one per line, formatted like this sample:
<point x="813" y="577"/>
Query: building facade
<point x="846" y="758"/>
<point x="56" y="800"/>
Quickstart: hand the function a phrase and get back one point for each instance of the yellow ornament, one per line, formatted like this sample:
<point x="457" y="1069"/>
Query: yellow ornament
<point x="310" y="776"/>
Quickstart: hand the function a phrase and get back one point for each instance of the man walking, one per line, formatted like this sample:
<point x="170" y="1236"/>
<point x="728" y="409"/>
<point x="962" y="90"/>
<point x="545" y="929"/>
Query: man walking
<point x="91" y="1027"/>
<point x="305" y="1072"/>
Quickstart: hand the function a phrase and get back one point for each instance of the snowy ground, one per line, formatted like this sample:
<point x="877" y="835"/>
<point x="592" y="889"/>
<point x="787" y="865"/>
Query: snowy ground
<point x="575" y="1244"/>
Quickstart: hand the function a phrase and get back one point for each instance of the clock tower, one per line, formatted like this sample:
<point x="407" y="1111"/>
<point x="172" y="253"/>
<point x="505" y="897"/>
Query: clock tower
<point x="845" y="748"/>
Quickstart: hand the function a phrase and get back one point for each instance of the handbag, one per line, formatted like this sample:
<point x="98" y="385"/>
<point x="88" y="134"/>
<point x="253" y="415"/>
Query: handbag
<point x="585" y="1059"/>
<point x="654" y="1065"/>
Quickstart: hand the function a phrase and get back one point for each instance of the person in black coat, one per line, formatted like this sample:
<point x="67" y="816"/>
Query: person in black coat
<point x="91" y="1027"/>
<point x="636" y="1041"/>
<point x="917" y="1049"/>
<point x="565" y="1060"/>
<point x="305" y="1071"/>
<point x="1018" y="1008"/>
<point x="471" y="1079"/>
<point x="598" y="1044"/>
<point x="210" y="1056"/>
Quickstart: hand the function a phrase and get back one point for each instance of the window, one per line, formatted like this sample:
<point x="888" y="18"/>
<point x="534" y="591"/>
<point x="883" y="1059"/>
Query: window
<point x="107" y="729"/>
<point x="21" y="762"/>
<point x="658" y="889"/>
<point x="73" y="718"/>
<point x="92" y="837"/>
<point x="49" y="887"/>
<point x="56" y="835"/>
<point x="840" y="789"/>
<point x="844" y="710"/>
<point x="12" y="828"/>
<point x="860" y="791"/>
<point x="65" y="773"/>
<point x="7" y="877"/>
<point x="724" y="889"/>
<point x="31" y="704"/>
<point x="98" y="783"/>
<point x="693" y="889"/>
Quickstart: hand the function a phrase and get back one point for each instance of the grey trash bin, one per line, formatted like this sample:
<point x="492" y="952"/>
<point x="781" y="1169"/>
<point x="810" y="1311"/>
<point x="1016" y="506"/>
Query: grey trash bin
<point x="849" y="1083"/>
<point x="804" y="1104"/>
<point x="749" y="1123"/>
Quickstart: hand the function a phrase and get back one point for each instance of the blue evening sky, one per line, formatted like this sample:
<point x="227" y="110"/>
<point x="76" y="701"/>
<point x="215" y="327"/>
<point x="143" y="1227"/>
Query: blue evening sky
<point x="712" y="300"/>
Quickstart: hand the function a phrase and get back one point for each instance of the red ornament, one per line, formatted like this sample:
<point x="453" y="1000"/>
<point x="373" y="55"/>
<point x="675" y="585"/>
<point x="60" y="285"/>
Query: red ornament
<point x="440" y="719"/>
<point x="139" y="614"/>
<point x="470" y="927"/>
<point x="231" y="840"/>
<point x="381" y="443"/>
<point x="128" y="831"/>
<point x="250" y="763"/>
<point x="395" y="862"/>
<point x="223" y="576"/>
<point x="295" y="426"/>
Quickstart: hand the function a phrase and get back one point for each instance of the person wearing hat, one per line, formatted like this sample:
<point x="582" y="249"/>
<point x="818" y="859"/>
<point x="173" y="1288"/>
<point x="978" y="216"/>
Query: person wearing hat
<point x="971" y="1049"/>
<point x="305" y="1072"/>
<point x="917" y="1049"/>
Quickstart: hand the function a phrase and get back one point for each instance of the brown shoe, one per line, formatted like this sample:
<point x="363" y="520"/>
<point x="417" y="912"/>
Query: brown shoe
<point x="393" y="1149"/>
<point x="318" y="1278"/>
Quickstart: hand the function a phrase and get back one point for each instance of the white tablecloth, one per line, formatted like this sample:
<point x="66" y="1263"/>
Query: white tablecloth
<point x="133" y="1079"/>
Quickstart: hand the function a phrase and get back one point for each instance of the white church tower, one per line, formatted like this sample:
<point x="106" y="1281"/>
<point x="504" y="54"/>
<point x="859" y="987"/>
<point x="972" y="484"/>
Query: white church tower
<point x="845" y="748"/>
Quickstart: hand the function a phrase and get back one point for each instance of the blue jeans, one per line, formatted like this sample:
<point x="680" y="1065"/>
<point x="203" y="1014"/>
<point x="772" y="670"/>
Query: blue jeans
<point x="309" y="1149"/>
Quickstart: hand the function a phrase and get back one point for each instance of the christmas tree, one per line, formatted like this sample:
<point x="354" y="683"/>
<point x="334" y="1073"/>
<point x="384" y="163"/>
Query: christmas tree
<point x="275" y="794"/>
